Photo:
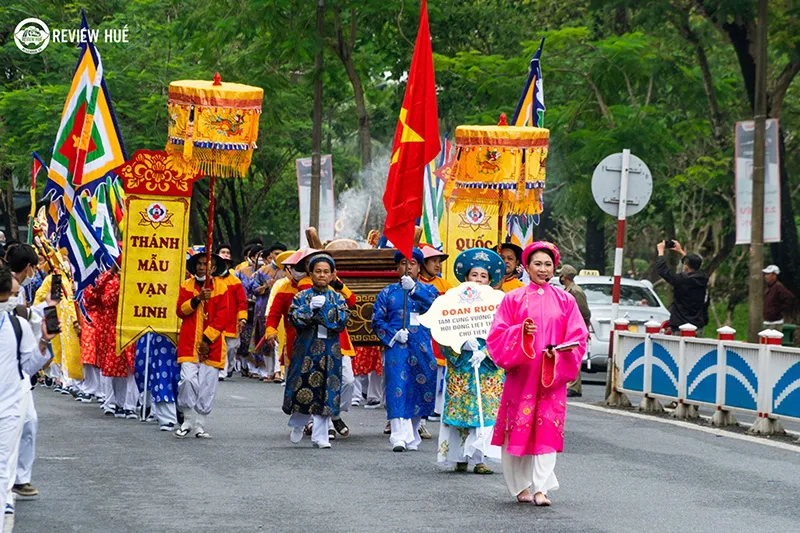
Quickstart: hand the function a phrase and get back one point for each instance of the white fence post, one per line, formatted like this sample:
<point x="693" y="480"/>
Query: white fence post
<point x="684" y="410"/>
<point x="648" y="403"/>
<point x="765" y="424"/>
<point x="722" y="417"/>
<point x="618" y="398"/>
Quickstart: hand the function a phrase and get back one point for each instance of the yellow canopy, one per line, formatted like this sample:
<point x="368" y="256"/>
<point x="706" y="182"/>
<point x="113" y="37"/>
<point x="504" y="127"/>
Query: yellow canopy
<point x="214" y="125"/>
<point x="500" y="168"/>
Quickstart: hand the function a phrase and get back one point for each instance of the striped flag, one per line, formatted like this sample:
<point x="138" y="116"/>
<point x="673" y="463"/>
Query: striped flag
<point x="433" y="209"/>
<point x="530" y="112"/>
<point x="88" y="145"/>
<point x="530" y="109"/>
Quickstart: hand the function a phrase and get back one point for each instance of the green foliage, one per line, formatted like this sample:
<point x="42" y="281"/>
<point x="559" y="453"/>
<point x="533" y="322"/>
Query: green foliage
<point x="617" y="74"/>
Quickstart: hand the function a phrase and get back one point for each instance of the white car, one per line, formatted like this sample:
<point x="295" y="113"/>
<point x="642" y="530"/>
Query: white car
<point x="638" y="303"/>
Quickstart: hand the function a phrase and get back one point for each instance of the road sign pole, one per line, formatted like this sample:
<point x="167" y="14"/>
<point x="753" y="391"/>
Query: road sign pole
<point x="611" y="373"/>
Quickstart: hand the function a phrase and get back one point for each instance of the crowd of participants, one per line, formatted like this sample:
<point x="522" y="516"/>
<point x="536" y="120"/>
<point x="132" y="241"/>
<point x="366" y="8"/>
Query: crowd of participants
<point x="286" y="311"/>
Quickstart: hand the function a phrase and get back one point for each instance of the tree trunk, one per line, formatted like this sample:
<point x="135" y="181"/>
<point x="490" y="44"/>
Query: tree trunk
<point x="316" y="132"/>
<point x="343" y="46"/>
<point x="595" y="242"/>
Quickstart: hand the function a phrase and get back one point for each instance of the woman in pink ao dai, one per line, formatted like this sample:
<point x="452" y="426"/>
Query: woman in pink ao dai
<point x="532" y="320"/>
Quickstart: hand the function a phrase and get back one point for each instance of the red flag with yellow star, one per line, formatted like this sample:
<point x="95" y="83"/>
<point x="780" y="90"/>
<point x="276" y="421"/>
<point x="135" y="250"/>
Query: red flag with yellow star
<point x="416" y="143"/>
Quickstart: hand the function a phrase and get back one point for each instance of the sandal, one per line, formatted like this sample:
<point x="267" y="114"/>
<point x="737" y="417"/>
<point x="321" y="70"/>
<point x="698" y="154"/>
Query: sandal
<point x="481" y="468"/>
<point x="181" y="433"/>
<point x="202" y="435"/>
<point x="541" y="500"/>
<point x="461" y="467"/>
<point x="341" y="428"/>
<point x="308" y="428"/>
<point x="277" y="378"/>
<point x="267" y="380"/>
<point x="525" y="496"/>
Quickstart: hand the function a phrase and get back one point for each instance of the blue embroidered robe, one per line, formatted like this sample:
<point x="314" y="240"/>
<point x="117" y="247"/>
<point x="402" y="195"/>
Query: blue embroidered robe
<point x="410" y="368"/>
<point x="314" y="377"/>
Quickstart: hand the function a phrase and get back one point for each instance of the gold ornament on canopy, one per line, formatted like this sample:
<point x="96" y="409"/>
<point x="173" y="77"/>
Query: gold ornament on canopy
<point x="213" y="125"/>
<point x="500" y="168"/>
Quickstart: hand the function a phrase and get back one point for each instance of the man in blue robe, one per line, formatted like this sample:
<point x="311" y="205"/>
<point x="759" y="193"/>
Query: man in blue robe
<point x="409" y="364"/>
<point x="314" y="376"/>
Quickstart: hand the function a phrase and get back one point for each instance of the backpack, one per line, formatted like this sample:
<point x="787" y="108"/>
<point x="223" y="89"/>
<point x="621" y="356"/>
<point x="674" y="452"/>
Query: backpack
<point x="17" y="327"/>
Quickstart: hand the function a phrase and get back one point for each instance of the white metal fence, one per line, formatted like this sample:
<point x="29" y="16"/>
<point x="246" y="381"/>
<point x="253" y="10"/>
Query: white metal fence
<point x="761" y="379"/>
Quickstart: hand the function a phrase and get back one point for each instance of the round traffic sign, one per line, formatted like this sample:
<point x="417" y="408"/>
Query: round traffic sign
<point x="606" y="181"/>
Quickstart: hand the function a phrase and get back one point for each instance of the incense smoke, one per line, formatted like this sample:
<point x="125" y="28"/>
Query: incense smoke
<point x="360" y="209"/>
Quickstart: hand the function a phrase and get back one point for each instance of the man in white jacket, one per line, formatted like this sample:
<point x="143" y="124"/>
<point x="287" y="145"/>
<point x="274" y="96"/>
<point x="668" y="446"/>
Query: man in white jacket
<point x="20" y="357"/>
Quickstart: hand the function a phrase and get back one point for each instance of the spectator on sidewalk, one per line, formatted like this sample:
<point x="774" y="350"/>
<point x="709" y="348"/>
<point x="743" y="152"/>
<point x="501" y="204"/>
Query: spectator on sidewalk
<point x="567" y="278"/>
<point x="778" y="300"/>
<point x="689" y="299"/>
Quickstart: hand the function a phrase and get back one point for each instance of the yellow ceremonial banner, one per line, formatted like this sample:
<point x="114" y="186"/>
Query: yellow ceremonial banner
<point x="470" y="227"/>
<point x="153" y="266"/>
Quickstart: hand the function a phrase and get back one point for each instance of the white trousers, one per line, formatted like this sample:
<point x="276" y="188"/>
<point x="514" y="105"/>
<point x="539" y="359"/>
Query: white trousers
<point x="536" y="472"/>
<point x="91" y="383"/>
<point x="54" y="371"/>
<point x="125" y="392"/>
<point x="261" y="371"/>
<point x="441" y="385"/>
<point x="375" y="387"/>
<point x="27" y="444"/>
<point x="165" y="412"/>
<point x="8" y="471"/>
<point x="106" y="390"/>
<point x="405" y="431"/>
<point x="359" y="384"/>
<point x="319" y="431"/>
<point x="9" y="425"/>
<point x="348" y="384"/>
<point x="231" y="346"/>
<point x="197" y="387"/>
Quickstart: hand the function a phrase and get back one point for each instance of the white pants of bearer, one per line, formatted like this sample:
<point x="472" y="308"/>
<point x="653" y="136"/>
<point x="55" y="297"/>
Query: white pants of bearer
<point x="196" y="390"/>
<point x="535" y="472"/>
<point x="319" y="430"/>
<point x="405" y="432"/>
<point x="231" y="347"/>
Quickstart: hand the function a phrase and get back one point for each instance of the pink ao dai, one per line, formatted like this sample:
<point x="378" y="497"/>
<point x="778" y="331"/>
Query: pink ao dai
<point x="530" y="420"/>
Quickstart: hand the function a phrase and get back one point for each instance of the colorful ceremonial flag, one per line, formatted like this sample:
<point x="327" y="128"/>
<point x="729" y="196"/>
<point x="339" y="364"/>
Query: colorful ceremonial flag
<point x="530" y="109"/>
<point x="530" y="112"/>
<point x="88" y="144"/>
<point x="87" y="148"/>
<point x="416" y="143"/>
<point x="430" y="216"/>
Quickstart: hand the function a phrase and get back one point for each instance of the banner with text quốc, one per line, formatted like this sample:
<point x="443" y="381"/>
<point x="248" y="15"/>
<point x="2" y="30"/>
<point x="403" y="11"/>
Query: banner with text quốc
<point x="158" y="202"/>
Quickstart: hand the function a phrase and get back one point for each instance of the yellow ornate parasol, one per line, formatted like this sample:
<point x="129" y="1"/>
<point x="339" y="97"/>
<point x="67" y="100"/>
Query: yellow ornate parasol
<point x="501" y="168"/>
<point x="213" y="127"/>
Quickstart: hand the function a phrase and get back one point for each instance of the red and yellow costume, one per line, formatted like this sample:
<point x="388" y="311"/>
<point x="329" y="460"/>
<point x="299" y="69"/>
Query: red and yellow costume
<point x="236" y="308"/>
<point x="101" y="303"/>
<point x="283" y="292"/>
<point x="207" y="321"/>
<point x="511" y="283"/>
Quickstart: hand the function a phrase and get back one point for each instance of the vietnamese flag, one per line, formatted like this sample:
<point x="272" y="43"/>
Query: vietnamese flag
<point x="416" y="143"/>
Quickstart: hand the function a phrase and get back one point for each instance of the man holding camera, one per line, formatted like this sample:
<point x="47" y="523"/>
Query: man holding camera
<point x="689" y="299"/>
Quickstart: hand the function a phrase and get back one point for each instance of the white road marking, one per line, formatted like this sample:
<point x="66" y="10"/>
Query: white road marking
<point x="237" y="397"/>
<point x="689" y="425"/>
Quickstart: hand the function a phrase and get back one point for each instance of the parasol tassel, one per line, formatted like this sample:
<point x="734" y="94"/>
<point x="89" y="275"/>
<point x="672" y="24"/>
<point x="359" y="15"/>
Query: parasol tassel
<point x="188" y="145"/>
